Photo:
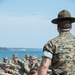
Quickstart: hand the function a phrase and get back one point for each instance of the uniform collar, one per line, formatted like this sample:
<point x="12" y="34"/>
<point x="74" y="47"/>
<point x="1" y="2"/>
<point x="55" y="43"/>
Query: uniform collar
<point x="64" y="34"/>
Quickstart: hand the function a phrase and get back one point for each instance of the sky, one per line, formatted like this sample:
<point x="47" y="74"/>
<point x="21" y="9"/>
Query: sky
<point x="27" y="23"/>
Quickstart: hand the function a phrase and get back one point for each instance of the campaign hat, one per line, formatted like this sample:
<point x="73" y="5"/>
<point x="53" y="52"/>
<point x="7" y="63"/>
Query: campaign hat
<point x="63" y="15"/>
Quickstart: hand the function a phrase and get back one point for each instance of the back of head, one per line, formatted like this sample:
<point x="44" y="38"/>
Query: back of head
<point x="64" y="20"/>
<point x="64" y="24"/>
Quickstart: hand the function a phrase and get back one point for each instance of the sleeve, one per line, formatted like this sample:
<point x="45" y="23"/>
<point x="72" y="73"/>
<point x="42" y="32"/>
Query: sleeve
<point x="49" y="49"/>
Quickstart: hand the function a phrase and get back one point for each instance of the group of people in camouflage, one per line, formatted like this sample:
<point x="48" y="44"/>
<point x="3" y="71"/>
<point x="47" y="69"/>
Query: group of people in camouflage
<point x="26" y="66"/>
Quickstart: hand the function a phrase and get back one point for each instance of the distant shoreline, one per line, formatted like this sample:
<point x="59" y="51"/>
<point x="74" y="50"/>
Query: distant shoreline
<point x="5" y="48"/>
<point x="20" y="51"/>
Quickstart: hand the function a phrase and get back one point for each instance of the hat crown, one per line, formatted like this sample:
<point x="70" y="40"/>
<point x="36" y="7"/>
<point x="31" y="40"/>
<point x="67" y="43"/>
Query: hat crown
<point x="33" y="57"/>
<point x="64" y="14"/>
<point x="5" y="57"/>
<point x="15" y="55"/>
<point x="27" y="55"/>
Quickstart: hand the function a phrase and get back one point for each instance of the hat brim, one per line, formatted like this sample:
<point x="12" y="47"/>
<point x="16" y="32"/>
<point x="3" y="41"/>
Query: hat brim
<point x="55" y="21"/>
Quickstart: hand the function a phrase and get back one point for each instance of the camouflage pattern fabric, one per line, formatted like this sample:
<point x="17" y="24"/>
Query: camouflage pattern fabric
<point x="1" y="70"/>
<point x="26" y="66"/>
<point x="16" y="63"/>
<point x="9" y="72"/>
<point x="24" y="59"/>
<point x="63" y="50"/>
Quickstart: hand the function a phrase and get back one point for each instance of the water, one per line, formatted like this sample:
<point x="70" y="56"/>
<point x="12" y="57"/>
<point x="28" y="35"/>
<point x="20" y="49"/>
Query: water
<point x="20" y="51"/>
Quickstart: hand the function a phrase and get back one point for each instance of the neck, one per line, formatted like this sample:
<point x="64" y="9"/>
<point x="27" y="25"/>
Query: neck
<point x="64" y="32"/>
<point x="60" y="30"/>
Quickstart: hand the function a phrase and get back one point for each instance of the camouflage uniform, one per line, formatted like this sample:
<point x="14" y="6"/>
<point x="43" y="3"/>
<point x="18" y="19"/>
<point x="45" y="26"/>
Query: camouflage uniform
<point x="5" y="60"/>
<point x="19" y="65"/>
<point x="26" y="58"/>
<point x="2" y="70"/>
<point x="62" y="49"/>
<point x="34" y="71"/>
<point x="31" y="64"/>
<point x="34" y="64"/>
<point x="26" y="65"/>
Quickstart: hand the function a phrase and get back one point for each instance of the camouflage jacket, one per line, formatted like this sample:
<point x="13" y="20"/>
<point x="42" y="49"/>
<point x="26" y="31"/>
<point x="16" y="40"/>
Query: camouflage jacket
<point x="63" y="50"/>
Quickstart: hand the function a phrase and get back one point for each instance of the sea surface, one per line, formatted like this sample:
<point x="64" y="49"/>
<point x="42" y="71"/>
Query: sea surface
<point x="20" y="51"/>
